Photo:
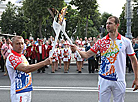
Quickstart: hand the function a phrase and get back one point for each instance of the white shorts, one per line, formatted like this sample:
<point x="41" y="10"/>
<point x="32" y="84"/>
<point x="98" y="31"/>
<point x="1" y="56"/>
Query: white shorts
<point x="65" y="59"/>
<point x="21" y="97"/>
<point x="106" y="87"/>
<point x="79" y="59"/>
<point x="54" y="60"/>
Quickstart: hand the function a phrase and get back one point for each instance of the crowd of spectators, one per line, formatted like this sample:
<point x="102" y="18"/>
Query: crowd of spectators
<point x="36" y="51"/>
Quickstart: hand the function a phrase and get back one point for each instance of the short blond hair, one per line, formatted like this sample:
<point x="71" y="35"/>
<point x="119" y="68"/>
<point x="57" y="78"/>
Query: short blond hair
<point x="16" y="37"/>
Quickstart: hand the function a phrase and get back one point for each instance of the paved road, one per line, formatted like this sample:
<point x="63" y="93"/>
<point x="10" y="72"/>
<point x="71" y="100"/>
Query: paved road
<point x="65" y="87"/>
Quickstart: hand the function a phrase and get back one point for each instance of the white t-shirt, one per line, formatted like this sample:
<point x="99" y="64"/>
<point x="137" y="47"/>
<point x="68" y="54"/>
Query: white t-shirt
<point x="113" y="56"/>
<point x="40" y="49"/>
<point x="81" y="49"/>
<point x="20" y="81"/>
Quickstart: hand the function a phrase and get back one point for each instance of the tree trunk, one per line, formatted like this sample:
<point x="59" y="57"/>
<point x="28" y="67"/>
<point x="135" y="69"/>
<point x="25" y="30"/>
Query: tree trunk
<point x="86" y="25"/>
<point x="40" y="27"/>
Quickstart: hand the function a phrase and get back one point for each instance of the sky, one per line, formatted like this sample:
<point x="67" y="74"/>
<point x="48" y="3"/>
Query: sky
<point x="113" y="7"/>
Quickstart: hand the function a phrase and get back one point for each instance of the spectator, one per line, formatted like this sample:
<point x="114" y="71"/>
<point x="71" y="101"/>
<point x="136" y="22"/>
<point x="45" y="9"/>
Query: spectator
<point x="1" y="62"/>
<point x="40" y="50"/>
<point x="5" y="51"/>
<point x="28" y="50"/>
<point x="91" y="60"/>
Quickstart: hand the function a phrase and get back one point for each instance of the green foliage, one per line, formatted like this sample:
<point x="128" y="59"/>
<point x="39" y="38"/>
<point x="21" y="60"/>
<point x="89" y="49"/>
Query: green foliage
<point x="38" y="15"/>
<point x="88" y="9"/>
<point x="24" y="35"/>
<point x="20" y="22"/>
<point x="34" y="18"/>
<point x="122" y="27"/>
<point x="13" y="20"/>
<point x="8" y="19"/>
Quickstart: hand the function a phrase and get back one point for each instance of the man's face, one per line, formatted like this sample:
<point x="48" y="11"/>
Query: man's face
<point x="27" y="42"/>
<point x="40" y="42"/>
<point x="3" y="40"/>
<point x="133" y="41"/>
<point x="85" y="38"/>
<point x="111" y="26"/>
<point x="91" y="43"/>
<point x="18" y="45"/>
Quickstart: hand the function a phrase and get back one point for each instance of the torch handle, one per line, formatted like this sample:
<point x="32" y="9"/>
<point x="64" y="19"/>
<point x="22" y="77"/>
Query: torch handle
<point x="57" y="28"/>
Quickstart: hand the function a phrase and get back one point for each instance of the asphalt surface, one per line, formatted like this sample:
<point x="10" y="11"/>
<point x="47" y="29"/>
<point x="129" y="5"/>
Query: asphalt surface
<point x="65" y="87"/>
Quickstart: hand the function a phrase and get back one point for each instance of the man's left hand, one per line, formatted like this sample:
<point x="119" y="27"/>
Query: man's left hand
<point x="135" y="85"/>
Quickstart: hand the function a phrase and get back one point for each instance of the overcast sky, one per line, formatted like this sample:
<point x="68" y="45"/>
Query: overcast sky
<point x="113" y="7"/>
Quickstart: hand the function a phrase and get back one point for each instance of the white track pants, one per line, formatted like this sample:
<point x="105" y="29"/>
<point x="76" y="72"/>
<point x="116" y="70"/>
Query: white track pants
<point x="106" y="87"/>
<point x="21" y="97"/>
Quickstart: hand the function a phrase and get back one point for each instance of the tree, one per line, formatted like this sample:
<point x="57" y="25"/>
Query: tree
<point x="122" y="27"/>
<point x="13" y="20"/>
<point x="86" y="8"/>
<point x="72" y="19"/>
<point x="21" y="21"/>
<point x="36" y="11"/>
<point x="8" y="19"/>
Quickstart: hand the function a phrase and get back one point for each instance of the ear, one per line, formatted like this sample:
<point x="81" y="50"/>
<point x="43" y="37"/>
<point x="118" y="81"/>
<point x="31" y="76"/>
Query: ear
<point x="118" y="24"/>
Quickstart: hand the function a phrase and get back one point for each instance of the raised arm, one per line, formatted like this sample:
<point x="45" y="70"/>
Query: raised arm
<point x="33" y="67"/>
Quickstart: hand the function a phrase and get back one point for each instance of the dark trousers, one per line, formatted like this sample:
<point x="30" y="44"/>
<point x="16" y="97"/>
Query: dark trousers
<point x="43" y="68"/>
<point x="2" y="64"/>
<point x="91" y="65"/>
<point x="129" y="65"/>
<point x="33" y="61"/>
<point x="28" y="60"/>
<point x="97" y="62"/>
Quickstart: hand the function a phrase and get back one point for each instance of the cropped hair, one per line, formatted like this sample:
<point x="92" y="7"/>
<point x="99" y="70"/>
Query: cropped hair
<point x="117" y="21"/>
<point x="18" y="37"/>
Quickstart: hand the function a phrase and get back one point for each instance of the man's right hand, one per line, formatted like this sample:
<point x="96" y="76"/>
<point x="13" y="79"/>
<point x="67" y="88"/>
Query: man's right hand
<point x="73" y="48"/>
<point x="49" y="60"/>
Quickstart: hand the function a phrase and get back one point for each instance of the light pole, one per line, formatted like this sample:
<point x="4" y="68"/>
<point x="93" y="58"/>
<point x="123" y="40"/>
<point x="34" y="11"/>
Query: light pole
<point x="128" y="17"/>
<point x="102" y="31"/>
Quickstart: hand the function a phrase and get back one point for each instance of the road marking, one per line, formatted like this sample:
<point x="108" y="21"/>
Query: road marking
<point x="70" y="73"/>
<point x="73" y="73"/>
<point x="73" y="89"/>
